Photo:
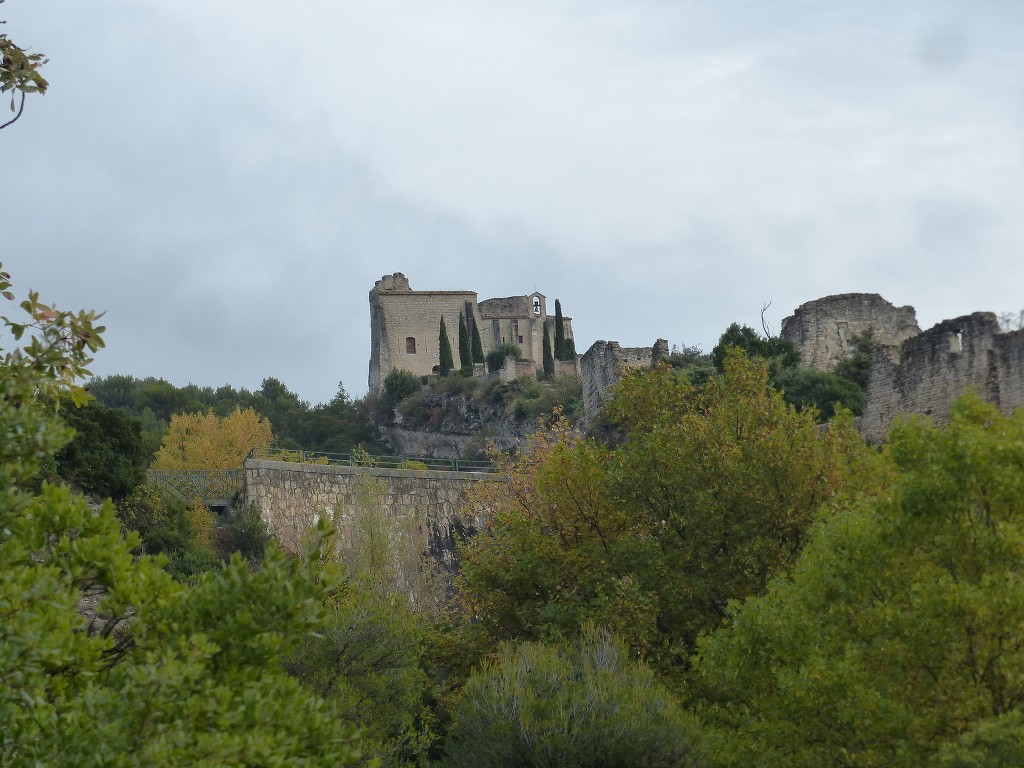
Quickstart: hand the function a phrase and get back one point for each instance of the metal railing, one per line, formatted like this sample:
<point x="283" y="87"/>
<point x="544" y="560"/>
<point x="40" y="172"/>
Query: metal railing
<point x="205" y="484"/>
<point x="365" y="460"/>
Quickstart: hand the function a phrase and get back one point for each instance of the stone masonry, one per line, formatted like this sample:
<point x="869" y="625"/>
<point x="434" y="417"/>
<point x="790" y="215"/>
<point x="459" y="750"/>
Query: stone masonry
<point x="601" y="368"/>
<point x="823" y="330"/>
<point x="404" y="326"/>
<point x="292" y="497"/>
<point x="929" y="371"/>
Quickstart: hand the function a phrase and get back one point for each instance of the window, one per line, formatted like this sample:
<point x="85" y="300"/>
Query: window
<point x="520" y="339"/>
<point x="536" y="306"/>
<point x="410" y="345"/>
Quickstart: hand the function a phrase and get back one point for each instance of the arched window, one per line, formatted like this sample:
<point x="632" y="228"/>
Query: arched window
<point x="536" y="305"/>
<point x="410" y="345"/>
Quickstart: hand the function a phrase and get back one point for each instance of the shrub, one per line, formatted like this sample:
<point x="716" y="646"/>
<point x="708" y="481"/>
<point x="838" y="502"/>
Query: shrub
<point x="496" y="357"/>
<point x="398" y="385"/>
<point x="588" y="705"/>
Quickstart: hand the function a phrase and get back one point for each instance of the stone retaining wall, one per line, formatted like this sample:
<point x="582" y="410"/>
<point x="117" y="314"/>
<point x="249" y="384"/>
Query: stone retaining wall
<point x="292" y="497"/>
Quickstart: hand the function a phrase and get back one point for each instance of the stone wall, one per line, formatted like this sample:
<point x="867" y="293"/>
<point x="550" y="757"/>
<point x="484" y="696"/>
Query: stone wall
<point x="600" y="369"/>
<point x="292" y="497"/>
<point x="823" y="330"/>
<point x="928" y="371"/>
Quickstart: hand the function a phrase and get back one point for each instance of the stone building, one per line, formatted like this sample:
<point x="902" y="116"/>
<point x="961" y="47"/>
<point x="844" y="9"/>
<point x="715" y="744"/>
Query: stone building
<point x="404" y="326"/>
<point x="911" y="371"/>
<point x="602" y="366"/>
<point x="823" y="330"/>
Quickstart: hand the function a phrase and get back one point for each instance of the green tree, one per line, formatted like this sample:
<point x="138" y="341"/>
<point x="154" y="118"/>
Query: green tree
<point x="709" y="495"/>
<point x="776" y="351"/>
<point x="398" y="385"/>
<point x="177" y="685"/>
<point x="465" y="350"/>
<point x="444" y="349"/>
<point x="549" y="360"/>
<point x="19" y="72"/>
<point x="585" y="705"/>
<point x="809" y="388"/>
<point x="559" y="332"/>
<point x="106" y="456"/>
<point x="900" y="633"/>
<point x="496" y="357"/>
<point x="478" y="346"/>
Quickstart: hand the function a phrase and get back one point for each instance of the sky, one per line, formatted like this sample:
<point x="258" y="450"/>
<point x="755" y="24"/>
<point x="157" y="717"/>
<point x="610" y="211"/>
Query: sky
<point x="226" y="180"/>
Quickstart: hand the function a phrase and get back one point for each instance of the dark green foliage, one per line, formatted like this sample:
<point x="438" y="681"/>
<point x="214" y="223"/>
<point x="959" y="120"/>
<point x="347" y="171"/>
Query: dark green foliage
<point x="496" y="357"/>
<point x="807" y="387"/>
<point x="478" y="345"/>
<point x="398" y="385"/>
<point x="465" y="350"/>
<point x="106" y="455"/>
<point x="549" y="360"/>
<point x="584" y="706"/>
<point x="334" y="427"/>
<point x="776" y="351"/>
<point x="697" y="365"/>
<point x="246" y="533"/>
<point x="857" y="367"/>
<point x="444" y="345"/>
<point x="559" y="350"/>
<point x="365" y="662"/>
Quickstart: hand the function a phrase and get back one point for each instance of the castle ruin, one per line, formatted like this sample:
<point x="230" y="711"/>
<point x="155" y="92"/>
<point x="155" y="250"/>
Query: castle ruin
<point x="405" y="325"/>
<point x="911" y="371"/>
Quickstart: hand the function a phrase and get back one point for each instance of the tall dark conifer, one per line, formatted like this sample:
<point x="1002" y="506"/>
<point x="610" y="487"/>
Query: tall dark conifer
<point x="549" y="360"/>
<point x="465" y="352"/>
<point x="444" y="348"/>
<point x="559" y="332"/>
<point x="478" y="346"/>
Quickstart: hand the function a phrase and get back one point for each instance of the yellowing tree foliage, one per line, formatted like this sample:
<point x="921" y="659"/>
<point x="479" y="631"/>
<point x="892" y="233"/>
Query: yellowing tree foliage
<point x="204" y="441"/>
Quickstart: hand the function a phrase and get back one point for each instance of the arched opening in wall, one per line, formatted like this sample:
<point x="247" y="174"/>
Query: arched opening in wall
<point x="536" y="305"/>
<point x="956" y="341"/>
<point x="410" y="345"/>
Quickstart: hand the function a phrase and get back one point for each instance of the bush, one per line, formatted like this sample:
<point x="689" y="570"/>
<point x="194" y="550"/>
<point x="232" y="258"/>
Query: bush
<point x="398" y="385"/>
<point x="803" y="387"/>
<point x="496" y="357"/>
<point x="588" y="705"/>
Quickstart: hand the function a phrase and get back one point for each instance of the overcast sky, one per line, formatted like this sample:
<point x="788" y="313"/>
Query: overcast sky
<point x="227" y="179"/>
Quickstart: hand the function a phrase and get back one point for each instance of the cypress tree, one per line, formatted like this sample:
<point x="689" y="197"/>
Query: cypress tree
<point x="559" y="331"/>
<point x="549" y="360"/>
<point x="465" y="353"/>
<point x="444" y="348"/>
<point x="478" y="346"/>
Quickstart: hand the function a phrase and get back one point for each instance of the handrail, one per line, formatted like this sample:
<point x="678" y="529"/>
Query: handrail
<point x="383" y="462"/>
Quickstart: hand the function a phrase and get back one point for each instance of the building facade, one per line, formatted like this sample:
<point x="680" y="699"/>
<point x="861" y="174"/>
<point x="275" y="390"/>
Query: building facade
<point x="405" y="325"/>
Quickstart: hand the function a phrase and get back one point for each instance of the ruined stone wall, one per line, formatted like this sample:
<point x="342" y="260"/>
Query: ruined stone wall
<point x="291" y="498"/>
<point x="823" y="330"/>
<point x="600" y="369"/>
<point x="929" y="371"/>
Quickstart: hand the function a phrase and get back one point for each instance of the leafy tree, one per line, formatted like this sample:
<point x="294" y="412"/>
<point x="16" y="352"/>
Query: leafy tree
<point x="585" y="705"/>
<point x="857" y="367"/>
<point x="549" y="360"/>
<point x="179" y="684"/>
<point x="196" y="441"/>
<point x="106" y="456"/>
<point x="478" y="346"/>
<point x="826" y="392"/>
<point x="900" y="634"/>
<point x="709" y="496"/>
<point x="496" y="357"/>
<point x="776" y="351"/>
<point x="19" y="71"/>
<point x="465" y="350"/>
<point x="398" y="385"/>
<point x="444" y="348"/>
